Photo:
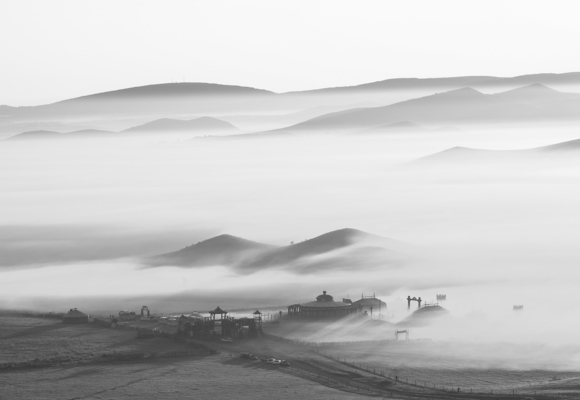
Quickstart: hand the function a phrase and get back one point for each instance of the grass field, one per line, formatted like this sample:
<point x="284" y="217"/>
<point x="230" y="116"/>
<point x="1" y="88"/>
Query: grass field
<point x="223" y="376"/>
<point x="444" y="364"/>
<point x="25" y="339"/>
<point x="217" y="377"/>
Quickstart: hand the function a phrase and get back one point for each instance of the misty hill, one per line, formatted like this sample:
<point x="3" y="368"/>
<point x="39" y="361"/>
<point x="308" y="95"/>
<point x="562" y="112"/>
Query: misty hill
<point x="461" y="106"/>
<point x="195" y="98"/>
<point x="456" y="156"/>
<point x="337" y="250"/>
<point x="341" y="249"/>
<point x="226" y="250"/>
<point x="534" y="93"/>
<point x="440" y="107"/>
<point x="51" y="135"/>
<point x="152" y="100"/>
<point x="398" y="127"/>
<point x="203" y="124"/>
<point x="565" y="80"/>
<point x="425" y="316"/>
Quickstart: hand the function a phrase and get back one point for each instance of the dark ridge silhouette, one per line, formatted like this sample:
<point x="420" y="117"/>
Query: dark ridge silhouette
<point x="205" y="124"/>
<point x="226" y="250"/>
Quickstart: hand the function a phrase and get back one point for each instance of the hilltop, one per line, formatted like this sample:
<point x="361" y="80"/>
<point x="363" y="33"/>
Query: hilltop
<point x="224" y="250"/>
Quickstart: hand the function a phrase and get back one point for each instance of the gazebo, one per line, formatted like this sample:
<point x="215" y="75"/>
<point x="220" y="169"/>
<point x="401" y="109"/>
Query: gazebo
<point x="218" y="311"/>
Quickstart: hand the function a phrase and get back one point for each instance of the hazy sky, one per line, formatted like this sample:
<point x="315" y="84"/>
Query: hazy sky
<point x="52" y="50"/>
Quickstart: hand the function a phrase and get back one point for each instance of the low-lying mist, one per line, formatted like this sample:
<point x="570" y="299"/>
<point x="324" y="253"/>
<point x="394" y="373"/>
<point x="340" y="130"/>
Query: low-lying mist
<point x="77" y="218"/>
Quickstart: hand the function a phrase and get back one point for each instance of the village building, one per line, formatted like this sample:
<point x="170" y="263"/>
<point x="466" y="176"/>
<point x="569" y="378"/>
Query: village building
<point x="324" y="307"/>
<point x="75" y="316"/>
<point x="371" y="305"/>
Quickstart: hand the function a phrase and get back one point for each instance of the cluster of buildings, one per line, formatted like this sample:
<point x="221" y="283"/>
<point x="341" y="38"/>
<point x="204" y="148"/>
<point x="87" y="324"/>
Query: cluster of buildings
<point x="325" y="307"/>
<point x="218" y="323"/>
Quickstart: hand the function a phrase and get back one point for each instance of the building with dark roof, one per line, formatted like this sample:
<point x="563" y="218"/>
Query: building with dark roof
<point x="324" y="307"/>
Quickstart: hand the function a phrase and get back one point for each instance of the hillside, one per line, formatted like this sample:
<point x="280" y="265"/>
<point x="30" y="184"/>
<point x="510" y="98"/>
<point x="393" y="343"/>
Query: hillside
<point x="151" y="100"/>
<point x="336" y="250"/>
<point x="534" y="93"/>
<point x="440" y="107"/>
<point x="202" y="124"/>
<point x="554" y="153"/>
<point x="424" y="316"/>
<point x="461" y="106"/>
<point x="197" y="98"/>
<point x="451" y="83"/>
<point x="225" y="250"/>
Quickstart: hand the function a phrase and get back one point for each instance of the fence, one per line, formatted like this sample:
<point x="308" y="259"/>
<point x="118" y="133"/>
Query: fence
<point x="394" y="378"/>
<point x="338" y="344"/>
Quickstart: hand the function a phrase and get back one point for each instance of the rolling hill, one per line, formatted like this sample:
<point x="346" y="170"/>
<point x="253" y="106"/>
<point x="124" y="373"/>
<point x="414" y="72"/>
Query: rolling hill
<point x="456" y="156"/>
<point x="336" y="250"/>
<point x="152" y="100"/>
<point x="534" y="93"/>
<point x="425" y="316"/>
<point x="202" y="124"/>
<point x="196" y="98"/>
<point x="226" y="250"/>
<point x="460" y="106"/>
<point x="440" y="108"/>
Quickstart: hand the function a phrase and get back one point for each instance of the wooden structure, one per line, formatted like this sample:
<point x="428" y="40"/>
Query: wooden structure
<point x="144" y="310"/>
<point x="127" y="315"/>
<point x="258" y="319"/>
<point x="441" y="297"/>
<point x="323" y="308"/>
<point x="400" y="332"/>
<point x="410" y="299"/>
